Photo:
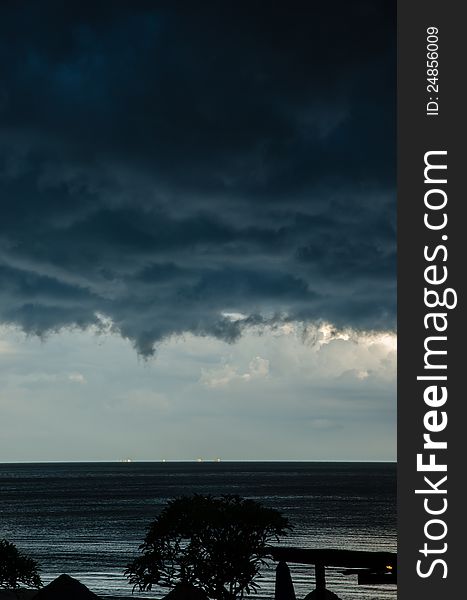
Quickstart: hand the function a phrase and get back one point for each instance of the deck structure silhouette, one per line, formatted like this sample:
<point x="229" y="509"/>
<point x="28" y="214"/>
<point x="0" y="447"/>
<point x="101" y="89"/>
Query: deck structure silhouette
<point x="375" y="568"/>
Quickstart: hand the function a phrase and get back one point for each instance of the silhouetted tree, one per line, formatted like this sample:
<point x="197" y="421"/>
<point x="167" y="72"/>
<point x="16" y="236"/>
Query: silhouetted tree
<point x="16" y="568"/>
<point x="217" y="544"/>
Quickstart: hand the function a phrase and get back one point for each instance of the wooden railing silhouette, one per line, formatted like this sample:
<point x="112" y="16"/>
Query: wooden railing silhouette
<point x="375" y="568"/>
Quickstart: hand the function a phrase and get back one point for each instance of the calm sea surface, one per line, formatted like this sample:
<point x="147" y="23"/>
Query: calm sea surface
<point x="87" y="519"/>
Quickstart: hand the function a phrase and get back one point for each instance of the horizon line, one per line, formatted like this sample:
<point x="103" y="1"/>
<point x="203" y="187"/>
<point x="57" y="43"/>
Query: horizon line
<point x="195" y="461"/>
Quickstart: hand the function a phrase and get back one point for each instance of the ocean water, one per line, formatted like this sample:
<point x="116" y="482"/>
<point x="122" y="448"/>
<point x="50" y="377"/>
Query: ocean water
<point x="88" y="519"/>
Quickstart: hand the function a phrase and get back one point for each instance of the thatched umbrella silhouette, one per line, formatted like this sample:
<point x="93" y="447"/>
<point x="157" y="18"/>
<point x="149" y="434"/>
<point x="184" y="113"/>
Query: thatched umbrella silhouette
<point x="65" y="587"/>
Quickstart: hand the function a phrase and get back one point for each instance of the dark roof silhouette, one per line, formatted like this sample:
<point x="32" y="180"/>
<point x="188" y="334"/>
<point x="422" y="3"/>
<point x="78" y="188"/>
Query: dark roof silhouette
<point x="65" y="588"/>
<point x="185" y="591"/>
<point x="314" y="594"/>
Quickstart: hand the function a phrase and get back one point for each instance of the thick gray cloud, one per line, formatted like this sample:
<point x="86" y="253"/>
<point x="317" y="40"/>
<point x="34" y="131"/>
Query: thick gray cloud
<point x="163" y="164"/>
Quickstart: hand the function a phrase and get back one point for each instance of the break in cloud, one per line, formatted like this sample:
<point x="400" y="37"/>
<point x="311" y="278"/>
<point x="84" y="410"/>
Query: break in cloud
<point x="197" y="171"/>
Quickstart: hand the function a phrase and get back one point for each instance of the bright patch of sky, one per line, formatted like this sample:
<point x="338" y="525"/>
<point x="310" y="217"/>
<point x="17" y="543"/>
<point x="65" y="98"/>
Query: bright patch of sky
<point x="285" y="393"/>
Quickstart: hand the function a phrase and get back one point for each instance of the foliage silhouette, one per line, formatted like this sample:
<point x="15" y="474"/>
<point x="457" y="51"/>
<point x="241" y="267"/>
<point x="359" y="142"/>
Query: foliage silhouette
<point x="16" y="568"/>
<point x="217" y="544"/>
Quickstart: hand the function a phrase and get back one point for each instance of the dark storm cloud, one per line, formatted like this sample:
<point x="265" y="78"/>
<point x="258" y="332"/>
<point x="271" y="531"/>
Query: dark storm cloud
<point x="165" y="163"/>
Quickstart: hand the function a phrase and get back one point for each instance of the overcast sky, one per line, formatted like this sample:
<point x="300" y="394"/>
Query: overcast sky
<point x="197" y="233"/>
